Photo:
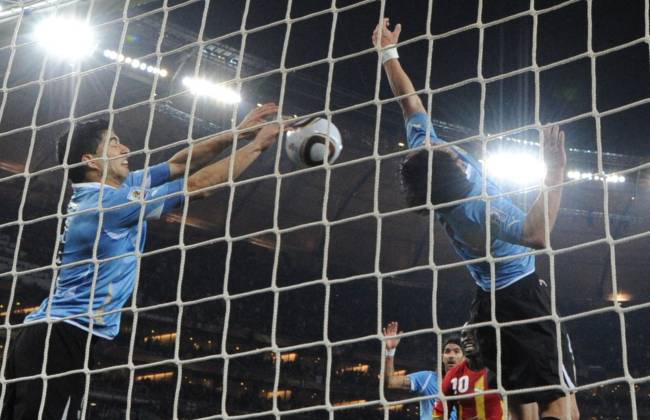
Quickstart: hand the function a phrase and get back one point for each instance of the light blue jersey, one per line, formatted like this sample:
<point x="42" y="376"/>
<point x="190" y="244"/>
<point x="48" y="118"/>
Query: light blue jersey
<point x="425" y="383"/>
<point x="465" y="223"/>
<point x="118" y="236"/>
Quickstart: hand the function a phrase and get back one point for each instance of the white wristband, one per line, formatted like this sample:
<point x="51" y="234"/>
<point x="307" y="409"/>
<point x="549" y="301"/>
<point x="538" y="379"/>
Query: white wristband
<point x="391" y="352"/>
<point x="389" y="54"/>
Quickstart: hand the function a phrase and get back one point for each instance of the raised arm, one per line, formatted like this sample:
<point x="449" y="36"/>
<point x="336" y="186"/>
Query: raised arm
<point x="393" y="381"/>
<point x="399" y="81"/>
<point x="204" y="151"/>
<point x="552" y="143"/>
<point x="217" y="173"/>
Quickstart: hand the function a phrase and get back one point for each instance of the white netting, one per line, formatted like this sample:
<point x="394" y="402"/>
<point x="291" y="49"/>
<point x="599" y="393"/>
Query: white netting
<point x="269" y="300"/>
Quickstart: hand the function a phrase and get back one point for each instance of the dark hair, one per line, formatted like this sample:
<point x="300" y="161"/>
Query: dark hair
<point x="86" y="138"/>
<point x="448" y="181"/>
<point x="452" y="339"/>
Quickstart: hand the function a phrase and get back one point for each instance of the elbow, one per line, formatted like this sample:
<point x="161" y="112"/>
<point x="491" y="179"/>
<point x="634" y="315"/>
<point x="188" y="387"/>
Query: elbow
<point x="392" y="383"/>
<point x="194" y="185"/>
<point x="533" y="235"/>
<point x="536" y="241"/>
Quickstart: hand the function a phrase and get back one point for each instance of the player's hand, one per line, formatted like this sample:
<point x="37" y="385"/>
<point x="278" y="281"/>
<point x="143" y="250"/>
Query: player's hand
<point x="267" y="136"/>
<point x="382" y="36"/>
<point x="552" y="143"/>
<point x="257" y="117"/>
<point x="391" y="330"/>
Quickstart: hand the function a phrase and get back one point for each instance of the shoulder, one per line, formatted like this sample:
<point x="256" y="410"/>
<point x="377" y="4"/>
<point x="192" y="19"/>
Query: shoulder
<point x="424" y="380"/>
<point x="86" y="196"/>
<point x="155" y="175"/>
<point x="418" y="126"/>
<point x="417" y="120"/>
<point x="423" y="374"/>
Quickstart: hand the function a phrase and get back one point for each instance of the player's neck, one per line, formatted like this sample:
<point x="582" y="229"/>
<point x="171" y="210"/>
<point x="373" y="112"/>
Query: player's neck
<point x="109" y="180"/>
<point x="475" y="363"/>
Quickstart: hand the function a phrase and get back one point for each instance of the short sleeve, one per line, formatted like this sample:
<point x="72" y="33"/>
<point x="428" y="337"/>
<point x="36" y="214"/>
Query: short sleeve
<point x="156" y="175"/>
<point x="416" y="130"/>
<point x="158" y="201"/>
<point x="424" y="382"/>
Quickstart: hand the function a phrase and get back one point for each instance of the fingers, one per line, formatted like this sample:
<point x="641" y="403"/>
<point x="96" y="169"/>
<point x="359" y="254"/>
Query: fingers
<point x="546" y="135"/>
<point x="391" y="328"/>
<point x="375" y="35"/>
<point x="552" y="137"/>
<point x="397" y="31"/>
<point x="266" y="110"/>
<point x="270" y="106"/>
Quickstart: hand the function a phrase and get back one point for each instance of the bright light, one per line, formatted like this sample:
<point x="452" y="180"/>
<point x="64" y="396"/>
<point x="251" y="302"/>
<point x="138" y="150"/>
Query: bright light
<point x="615" y="179"/>
<point x="65" y="38"/>
<point x="519" y="168"/>
<point x="213" y="90"/>
<point x="620" y="296"/>
<point x="134" y="62"/>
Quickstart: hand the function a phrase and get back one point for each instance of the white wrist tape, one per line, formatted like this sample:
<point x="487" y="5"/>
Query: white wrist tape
<point x="389" y="54"/>
<point x="391" y="352"/>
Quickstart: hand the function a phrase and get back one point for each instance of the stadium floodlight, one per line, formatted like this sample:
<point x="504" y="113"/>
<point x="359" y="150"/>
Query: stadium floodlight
<point x="213" y="90"/>
<point x="611" y="178"/>
<point x="134" y="63"/>
<point x="68" y="38"/>
<point x="516" y="167"/>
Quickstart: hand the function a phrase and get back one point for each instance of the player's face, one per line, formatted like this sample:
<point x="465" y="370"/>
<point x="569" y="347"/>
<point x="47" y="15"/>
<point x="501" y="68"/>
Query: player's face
<point x="469" y="343"/>
<point x="452" y="355"/>
<point x="116" y="163"/>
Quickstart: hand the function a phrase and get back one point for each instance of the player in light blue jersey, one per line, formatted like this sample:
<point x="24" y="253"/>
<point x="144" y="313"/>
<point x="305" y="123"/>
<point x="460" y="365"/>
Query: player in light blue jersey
<point x="423" y="383"/>
<point x="105" y="228"/>
<point x="529" y="357"/>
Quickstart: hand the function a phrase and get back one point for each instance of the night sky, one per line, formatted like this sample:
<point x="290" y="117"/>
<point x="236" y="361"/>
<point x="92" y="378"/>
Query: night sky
<point x="565" y="90"/>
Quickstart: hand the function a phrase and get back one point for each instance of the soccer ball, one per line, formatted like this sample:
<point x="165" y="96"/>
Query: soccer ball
<point x="310" y="142"/>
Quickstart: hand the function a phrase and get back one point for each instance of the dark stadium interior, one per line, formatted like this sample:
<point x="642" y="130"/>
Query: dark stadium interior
<point x="250" y="273"/>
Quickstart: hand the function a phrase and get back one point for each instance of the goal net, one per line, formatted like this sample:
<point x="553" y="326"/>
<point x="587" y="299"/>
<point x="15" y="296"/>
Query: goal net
<point x="268" y="298"/>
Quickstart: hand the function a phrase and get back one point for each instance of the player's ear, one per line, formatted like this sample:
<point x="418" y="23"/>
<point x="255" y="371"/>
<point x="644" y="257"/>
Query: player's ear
<point x="91" y="161"/>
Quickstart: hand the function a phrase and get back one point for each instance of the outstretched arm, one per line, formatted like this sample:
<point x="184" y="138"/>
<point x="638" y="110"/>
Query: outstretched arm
<point x="552" y="143"/>
<point x="204" y="151"/>
<point x="393" y="381"/>
<point x="399" y="81"/>
<point x="217" y="173"/>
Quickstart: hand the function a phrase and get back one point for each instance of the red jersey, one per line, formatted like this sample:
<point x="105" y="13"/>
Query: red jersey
<point x="461" y="380"/>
